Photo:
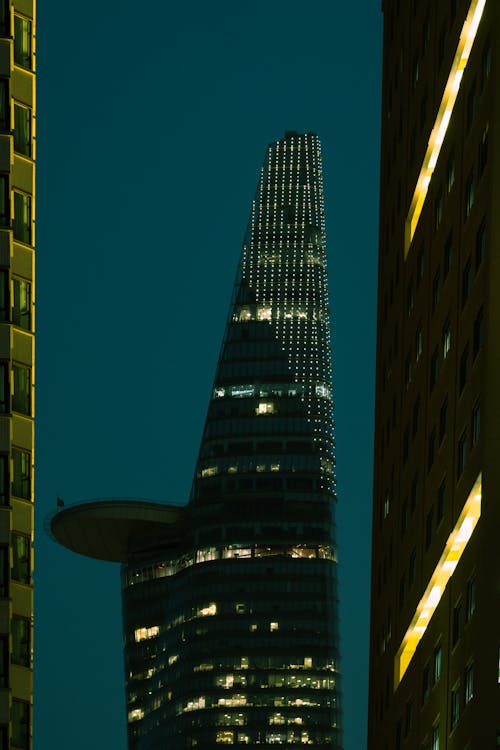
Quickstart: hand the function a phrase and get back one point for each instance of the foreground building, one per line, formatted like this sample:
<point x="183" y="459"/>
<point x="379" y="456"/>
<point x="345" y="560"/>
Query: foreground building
<point x="230" y="602"/>
<point x="17" y="194"/>
<point x="435" y="637"/>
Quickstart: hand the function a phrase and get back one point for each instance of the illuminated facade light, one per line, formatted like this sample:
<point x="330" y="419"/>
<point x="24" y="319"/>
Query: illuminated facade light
<point x="454" y="548"/>
<point x="443" y="118"/>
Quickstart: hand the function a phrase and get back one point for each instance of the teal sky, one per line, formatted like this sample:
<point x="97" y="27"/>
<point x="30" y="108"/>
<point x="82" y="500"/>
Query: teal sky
<point x="152" y="125"/>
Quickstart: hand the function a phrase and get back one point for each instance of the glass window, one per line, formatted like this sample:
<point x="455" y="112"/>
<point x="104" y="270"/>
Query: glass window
<point x="22" y="129"/>
<point x="4" y="571"/>
<point x="443" y="420"/>
<point x="441" y="494"/>
<point x="435" y="289"/>
<point x="22" y="217"/>
<point x="469" y="194"/>
<point x="4" y="105"/>
<point x="20" y="724"/>
<point x="438" y="662"/>
<point x="21" y="558"/>
<point x="480" y="243"/>
<point x="447" y="255"/>
<point x="4" y="295"/>
<point x="21" y="308"/>
<point x="21" y="464"/>
<point x="434" y="368"/>
<point x="461" y="454"/>
<point x="4" y="388"/>
<point x="4" y="201"/>
<point x="469" y="683"/>
<point x="478" y="333"/>
<point x="446" y="339"/>
<point x="458" y="621"/>
<point x="426" y="682"/>
<point x="22" y="42"/>
<point x="4" y="662"/>
<point x="455" y="705"/>
<point x="476" y="423"/>
<point x="418" y="343"/>
<point x="466" y="282"/>
<point x="435" y="737"/>
<point x="4" y="31"/>
<point x="483" y="150"/>
<point x="471" y="104"/>
<point x="21" y="397"/>
<point x="464" y="368"/>
<point x="450" y="173"/>
<point x="470" y="602"/>
<point x="21" y="641"/>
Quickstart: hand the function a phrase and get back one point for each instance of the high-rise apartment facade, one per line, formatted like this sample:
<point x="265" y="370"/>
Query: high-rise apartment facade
<point x="435" y="640"/>
<point x="230" y="602"/>
<point x="17" y="196"/>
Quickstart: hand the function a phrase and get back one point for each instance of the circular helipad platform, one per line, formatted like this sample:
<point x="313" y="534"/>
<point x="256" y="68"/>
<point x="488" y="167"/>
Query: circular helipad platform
<point x="112" y="530"/>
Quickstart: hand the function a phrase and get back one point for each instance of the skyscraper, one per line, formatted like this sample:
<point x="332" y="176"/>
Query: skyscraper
<point x="230" y="602"/>
<point x="17" y="194"/>
<point x="435" y="667"/>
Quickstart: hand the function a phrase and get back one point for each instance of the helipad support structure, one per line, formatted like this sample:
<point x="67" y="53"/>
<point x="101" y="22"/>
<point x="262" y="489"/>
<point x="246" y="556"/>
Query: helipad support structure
<point x="230" y="603"/>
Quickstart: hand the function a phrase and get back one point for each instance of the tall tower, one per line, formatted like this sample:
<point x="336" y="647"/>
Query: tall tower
<point x="17" y="196"/>
<point x="230" y="603"/>
<point x="434" y="668"/>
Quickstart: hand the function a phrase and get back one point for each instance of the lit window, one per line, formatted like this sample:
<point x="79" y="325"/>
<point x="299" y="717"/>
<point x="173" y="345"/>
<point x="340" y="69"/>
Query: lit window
<point x="265" y="407"/>
<point x="142" y="634"/>
<point x="210" y="471"/>
<point x="273" y="626"/>
<point x="209" y="610"/>
<point x="135" y="715"/>
<point x="264" y="313"/>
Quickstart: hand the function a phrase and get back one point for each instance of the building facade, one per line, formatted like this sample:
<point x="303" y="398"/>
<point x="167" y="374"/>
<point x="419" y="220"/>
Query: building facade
<point x="435" y="640"/>
<point x="230" y="607"/>
<point x="17" y="198"/>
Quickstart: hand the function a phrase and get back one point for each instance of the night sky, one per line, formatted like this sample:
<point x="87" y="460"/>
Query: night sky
<point x="152" y="125"/>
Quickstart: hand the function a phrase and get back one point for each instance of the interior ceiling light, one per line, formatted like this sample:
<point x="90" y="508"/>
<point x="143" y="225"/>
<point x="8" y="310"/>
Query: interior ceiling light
<point x="467" y="37"/>
<point x="455" y="545"/>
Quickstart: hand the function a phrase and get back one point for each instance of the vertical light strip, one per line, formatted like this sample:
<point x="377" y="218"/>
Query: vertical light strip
<point x="467" y="37"/>
<point x="456" y="544"/>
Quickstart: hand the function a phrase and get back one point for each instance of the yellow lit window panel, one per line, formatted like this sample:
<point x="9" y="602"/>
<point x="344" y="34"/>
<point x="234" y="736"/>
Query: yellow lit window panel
<point x="453" y="550"/>
<point x="467" y="37"/>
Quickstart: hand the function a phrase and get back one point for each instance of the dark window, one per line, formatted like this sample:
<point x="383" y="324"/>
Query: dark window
<point x="438" y="663"/>
<point x="435" y="289"/>
<point x="4" y="201"/>
<point x="418" y="343"/>
<point x="22" y="130"/>
<point x="480" y="244"/>
<point x="469" y="683"/>
<point x="486" y="62"/>
<point x="404" y="516"/>
<point x="21" y="308"/>
<point x="447" y="255"/>
<point x="434" y="371"/>
<point x="4" y="571"/>
<point x="450" y="173"/>
<point x="455" y="705"/>
<point x="412" y="568"/>
<point x="470" y="602"/>
<point x="21" y="465"/>
<point x="20" y="724"/>
<point x="429" y="527"/>
<point x="406" y="443"/>
<point x="22" y="42"/>
<point x="414" y="493"/>
<point x="4" y="31"/>
<point x="401" y="590"/>
<point x="4" y="662"/>
<point x="4" y="479"/>
<point x="22" y="217"/>
<point x="438" y="211"/>
<point x="21" y="397"/>
<point x="469" y="195"/>
<point x="441" y="44"/>
<point x="483" y="150"/>
<point x="21" y="641"/>
<point x="471" y="104"/>
<point x="408" y="371"/>
<point x="4" y="295"/>
<point x="426" y="682"/>
<point x="416" y="416"/>
<point x="446" y="339"/>
<point x="4" y="105"/>
<point x="4" y="388"/>
<point x="478" y="333"/>
<point x="462" y="453"/>
<point x="21" y="558"/>
<point x="443" y="420"/>
<point x="441" y="495"/>
<point x="458" y="622"/>
<point x="476" y="423"/>
<point x="464" y="368"/>
<point x="466" y="281"/>
<point x="420" y="266"/>
<point x="408" y="718"/>
<point x="431" y="449"/>
<point x="409" y="297"/>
